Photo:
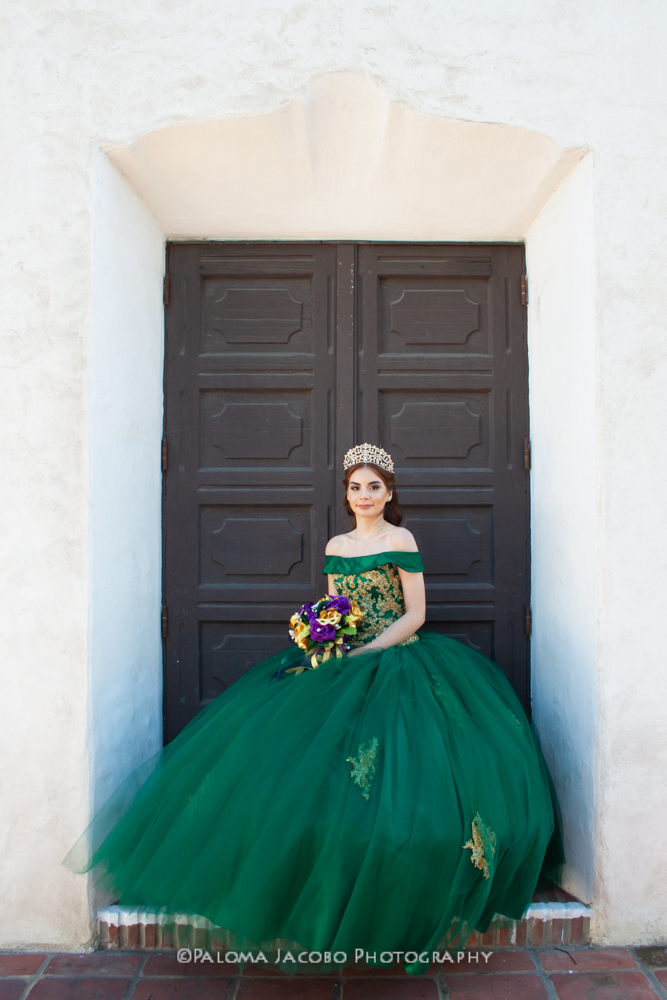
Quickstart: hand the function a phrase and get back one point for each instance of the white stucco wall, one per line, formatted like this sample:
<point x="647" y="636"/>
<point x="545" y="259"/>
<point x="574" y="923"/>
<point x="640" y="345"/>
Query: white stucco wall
<point x="102" y="75"/>
<point x="125" y="428"/>
<point x="565" y="505"/>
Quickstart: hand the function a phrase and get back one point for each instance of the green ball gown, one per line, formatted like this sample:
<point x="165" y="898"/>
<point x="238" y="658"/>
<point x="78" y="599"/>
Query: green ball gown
<point x="379" y="802"/>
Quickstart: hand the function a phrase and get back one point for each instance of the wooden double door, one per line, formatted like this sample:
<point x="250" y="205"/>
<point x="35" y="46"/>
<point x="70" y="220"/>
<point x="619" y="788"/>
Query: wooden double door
<point x="280" y="357"/>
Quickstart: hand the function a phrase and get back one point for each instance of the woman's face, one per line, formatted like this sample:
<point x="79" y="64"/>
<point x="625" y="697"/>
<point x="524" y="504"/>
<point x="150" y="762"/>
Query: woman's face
<point x="367" y="493"/>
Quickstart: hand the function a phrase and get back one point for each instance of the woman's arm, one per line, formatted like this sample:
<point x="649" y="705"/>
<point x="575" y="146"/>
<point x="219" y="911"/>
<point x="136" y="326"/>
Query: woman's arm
<point x="331" y="586"/>
<point x="414" y="595"/>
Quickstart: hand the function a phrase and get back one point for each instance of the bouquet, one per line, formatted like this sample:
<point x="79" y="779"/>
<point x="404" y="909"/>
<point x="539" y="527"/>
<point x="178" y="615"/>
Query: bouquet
<point x="320" y="630"/>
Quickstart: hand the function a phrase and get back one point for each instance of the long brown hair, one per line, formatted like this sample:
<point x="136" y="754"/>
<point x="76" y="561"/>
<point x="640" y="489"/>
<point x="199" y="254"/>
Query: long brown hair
<point x="392" y="512"/>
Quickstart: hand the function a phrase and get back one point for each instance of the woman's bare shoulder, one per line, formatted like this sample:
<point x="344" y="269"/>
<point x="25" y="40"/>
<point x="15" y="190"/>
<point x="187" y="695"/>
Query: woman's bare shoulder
<point x="339" y="545"/>
<point x="402" y="540"/>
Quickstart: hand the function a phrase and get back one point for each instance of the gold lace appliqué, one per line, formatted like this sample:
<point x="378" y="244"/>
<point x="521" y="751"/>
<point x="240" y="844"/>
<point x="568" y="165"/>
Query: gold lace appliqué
<point x="365" y="766"/>
<point x="379" y="594"/>
<point x="482" y="845"/>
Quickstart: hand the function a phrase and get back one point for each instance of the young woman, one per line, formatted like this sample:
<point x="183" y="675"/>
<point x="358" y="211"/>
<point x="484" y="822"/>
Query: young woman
<point x="379" y="802"/>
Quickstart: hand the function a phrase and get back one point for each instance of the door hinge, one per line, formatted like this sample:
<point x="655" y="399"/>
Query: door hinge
<point x="529" y="621"/>
<point x="524" y="289"/>
<point x="164" y="455"/>
<point x="526" y="454"/>
<point x="164" y="621"/>
<point x="165" y="290"/>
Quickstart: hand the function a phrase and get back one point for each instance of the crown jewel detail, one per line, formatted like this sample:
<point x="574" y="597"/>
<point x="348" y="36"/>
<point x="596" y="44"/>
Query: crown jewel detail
<point x="363" y="453"/>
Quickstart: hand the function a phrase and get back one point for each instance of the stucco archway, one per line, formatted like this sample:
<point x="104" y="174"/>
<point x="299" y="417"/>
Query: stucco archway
<point x="344" y="162"/>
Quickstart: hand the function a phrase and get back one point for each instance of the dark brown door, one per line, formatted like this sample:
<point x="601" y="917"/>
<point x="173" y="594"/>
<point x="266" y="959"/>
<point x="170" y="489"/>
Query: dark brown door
<point x="279" y="357"/>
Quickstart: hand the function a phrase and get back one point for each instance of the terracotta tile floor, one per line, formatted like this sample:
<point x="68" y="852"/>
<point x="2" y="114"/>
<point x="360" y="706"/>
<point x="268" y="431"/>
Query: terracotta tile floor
<point x="511" y="974"/>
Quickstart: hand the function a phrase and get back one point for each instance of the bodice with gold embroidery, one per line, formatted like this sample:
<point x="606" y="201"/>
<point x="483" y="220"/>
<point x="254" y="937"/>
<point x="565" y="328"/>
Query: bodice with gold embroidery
<point x="374" y="583"/>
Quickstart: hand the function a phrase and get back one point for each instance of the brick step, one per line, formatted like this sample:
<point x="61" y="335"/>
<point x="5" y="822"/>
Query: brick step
<point x="143" y="928"/>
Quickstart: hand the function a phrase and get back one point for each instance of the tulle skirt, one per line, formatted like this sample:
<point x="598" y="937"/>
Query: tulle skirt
<point x="379" y="802"/>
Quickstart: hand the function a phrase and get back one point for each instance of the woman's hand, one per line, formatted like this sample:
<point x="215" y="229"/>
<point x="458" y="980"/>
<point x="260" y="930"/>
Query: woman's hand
<point x="358" y="650"/>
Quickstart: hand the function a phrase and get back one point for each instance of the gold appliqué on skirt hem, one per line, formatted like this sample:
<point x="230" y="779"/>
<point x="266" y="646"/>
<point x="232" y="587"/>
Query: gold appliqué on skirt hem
<point x="482" y="845"/>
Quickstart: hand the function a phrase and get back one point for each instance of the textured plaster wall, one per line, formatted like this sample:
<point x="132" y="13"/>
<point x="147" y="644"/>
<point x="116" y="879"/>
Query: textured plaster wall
<point x="565" y="504"/>
<point x="81" y="76"/>
<point x="126" y="361"/>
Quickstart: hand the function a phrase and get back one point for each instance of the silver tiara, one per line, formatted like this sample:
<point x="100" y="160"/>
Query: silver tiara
<point x="368" y="453"/>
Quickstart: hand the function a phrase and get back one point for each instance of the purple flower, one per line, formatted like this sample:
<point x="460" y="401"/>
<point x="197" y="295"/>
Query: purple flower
<point x="322" y="633"/>
<point x="341" y="604"/>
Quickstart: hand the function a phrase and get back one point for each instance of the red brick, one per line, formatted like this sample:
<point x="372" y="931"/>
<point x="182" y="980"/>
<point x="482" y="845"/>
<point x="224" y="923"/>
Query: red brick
<point x="94" y="988"/>
<point x="167" y="937"/>
<point x="360" y="971"/>
<point x="662" y="976"/>
<point x="412" y="988"/>
<point x="500" y="987"/>
<point x="603" y="986"/>
<point x="520" y="933"/>
<point x="167" y="965"/>
<point x="181" y="989"/>
<point x="99" y="963"/>
<point x="11" y="989"/>
<point x="576" y="932"/>
<point x="287" y="988"/>
<point x="500" y="961"/>
<point x="20" y="965"/>
<point x="261" y="969"/>
<point x="535" y="931"/>
<point x="270" y="969"/>
<point x="587" y="959"/>
<point x="555" y="931"/>
<point x="504" y="937"/>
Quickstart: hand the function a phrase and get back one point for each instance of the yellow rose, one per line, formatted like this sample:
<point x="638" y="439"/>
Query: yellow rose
<point x="300" y="631"/>
<point x="329" y="617"/>
<point x="293" y="620"/>
<point x="356" y="610"/>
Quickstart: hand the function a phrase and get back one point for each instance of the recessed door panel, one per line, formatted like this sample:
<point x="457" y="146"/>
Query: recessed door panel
<point x="229" y="649"/>
<point x="456" y="543"/>
<point x="267" y="544"/>
<point x="440" y="430"/>
<point x="242" y="428"/>
<point x="436" y="315"/>
<point x="259" y="314"/>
